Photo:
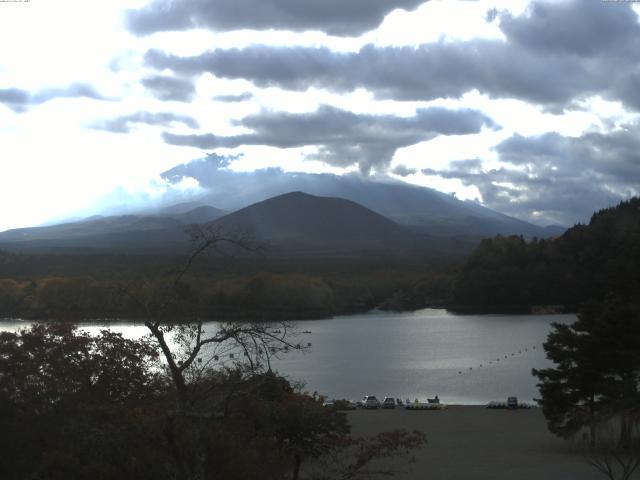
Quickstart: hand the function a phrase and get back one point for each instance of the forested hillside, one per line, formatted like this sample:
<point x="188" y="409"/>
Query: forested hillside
<point x="585" y="263"/>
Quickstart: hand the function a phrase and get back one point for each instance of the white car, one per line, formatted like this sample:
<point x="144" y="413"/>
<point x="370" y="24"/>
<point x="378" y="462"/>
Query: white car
<point x="370" y="401"/>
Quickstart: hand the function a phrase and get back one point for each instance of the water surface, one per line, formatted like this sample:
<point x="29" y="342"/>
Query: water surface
<point x="464" y="359"/>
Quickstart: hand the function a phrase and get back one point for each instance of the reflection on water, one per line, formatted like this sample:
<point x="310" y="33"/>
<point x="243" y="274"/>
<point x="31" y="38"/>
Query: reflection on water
<point x="462" y="358"/>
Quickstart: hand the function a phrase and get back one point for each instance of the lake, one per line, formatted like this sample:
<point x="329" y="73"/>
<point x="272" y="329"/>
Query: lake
<point x="464" y="359"/>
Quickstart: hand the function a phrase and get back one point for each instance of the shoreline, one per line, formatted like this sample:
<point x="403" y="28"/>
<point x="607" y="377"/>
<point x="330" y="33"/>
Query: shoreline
<point x="131" y="320"/>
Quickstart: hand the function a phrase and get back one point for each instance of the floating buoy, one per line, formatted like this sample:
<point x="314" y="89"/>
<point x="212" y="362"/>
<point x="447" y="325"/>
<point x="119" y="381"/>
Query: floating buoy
<point x="308" y="344"/>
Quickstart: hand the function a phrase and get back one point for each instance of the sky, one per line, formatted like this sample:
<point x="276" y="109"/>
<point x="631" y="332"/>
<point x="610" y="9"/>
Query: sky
<point x="528" y="107"/>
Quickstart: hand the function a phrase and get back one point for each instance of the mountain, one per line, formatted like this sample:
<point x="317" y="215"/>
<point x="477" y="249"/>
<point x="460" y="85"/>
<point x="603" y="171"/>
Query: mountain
<point x="424" y="209"/>
<point x="299" y="222"/>
<point x="321" y="221"/>
<point x="176" y="209"/>
<point x="201" y="214"/>
<point x="153" y="233"/>
<point x="292" y="224"/>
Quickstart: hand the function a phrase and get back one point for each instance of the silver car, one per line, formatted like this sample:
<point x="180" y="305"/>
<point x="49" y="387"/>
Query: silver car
<point x="370" y="401"/>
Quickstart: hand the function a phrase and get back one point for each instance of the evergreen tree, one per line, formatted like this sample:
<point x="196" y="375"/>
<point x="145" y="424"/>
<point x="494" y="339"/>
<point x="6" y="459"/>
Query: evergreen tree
<point x="597" y="370"/>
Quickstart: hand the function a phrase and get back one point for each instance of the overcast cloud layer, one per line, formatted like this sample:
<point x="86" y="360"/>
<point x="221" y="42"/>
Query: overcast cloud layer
<point x="555" y="55"/>
<point x="343" y="138"/>
<point x="335" y="17"/>
<point x="564" y="177"/>
<point x="532" y="107"/>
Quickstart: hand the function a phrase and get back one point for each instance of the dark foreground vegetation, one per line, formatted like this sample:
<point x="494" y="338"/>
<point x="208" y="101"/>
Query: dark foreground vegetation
<point x="105" y="407"/>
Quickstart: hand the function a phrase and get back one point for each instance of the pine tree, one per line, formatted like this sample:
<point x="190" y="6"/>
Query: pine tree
<point x="596" y="373"/>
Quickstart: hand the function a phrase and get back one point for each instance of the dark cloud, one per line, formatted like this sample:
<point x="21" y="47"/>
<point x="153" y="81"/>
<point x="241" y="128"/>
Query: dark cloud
<point x="548" y="58"/>
<point x="170" y="88"/>
<point x="335" y="17"/>
<point x="403" y="170"/>
<point x="575" y="27"/>
<point x="343" y="138"/>
<point x="14" y="98"/>
<point x="441" y="70"/>
<point x="124" y="123"/>
<point x="563" y="179"/>
<point x="19" y="100"/>
<point x="242" y="97"/>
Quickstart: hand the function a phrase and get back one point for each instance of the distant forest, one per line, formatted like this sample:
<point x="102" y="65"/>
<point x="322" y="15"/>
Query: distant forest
<point x="503" y="274"/>
<point x="76" y="287"/>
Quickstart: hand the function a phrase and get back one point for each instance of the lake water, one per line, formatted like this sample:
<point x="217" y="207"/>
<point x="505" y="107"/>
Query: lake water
<point x="464" y="359"/>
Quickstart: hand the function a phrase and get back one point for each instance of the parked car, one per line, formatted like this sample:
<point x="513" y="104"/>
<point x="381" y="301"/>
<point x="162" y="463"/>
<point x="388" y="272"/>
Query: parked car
<point x="389" y="402"/>
<point x="370" y="401"/>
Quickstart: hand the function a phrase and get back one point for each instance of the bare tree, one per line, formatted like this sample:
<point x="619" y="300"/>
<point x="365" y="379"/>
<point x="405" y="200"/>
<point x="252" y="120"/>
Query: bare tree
<point x="197" y="356"/>
<point x="189" y="347"/>
<point x="193" y="350"/>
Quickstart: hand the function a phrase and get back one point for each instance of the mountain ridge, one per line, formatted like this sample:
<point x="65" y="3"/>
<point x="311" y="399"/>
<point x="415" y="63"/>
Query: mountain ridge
<point x="422" y="208"/>
<point x="293" y="223"/>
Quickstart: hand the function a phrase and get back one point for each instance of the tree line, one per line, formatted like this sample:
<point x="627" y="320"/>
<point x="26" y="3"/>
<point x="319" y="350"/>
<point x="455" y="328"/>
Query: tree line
<point x="587" y="262"/>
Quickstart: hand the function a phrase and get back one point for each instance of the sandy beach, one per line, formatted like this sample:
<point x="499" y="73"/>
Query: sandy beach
<point x="473" y="443"/>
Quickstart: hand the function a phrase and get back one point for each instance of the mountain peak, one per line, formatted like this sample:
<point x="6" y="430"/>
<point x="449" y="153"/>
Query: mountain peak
<point x="313" y="222"/>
